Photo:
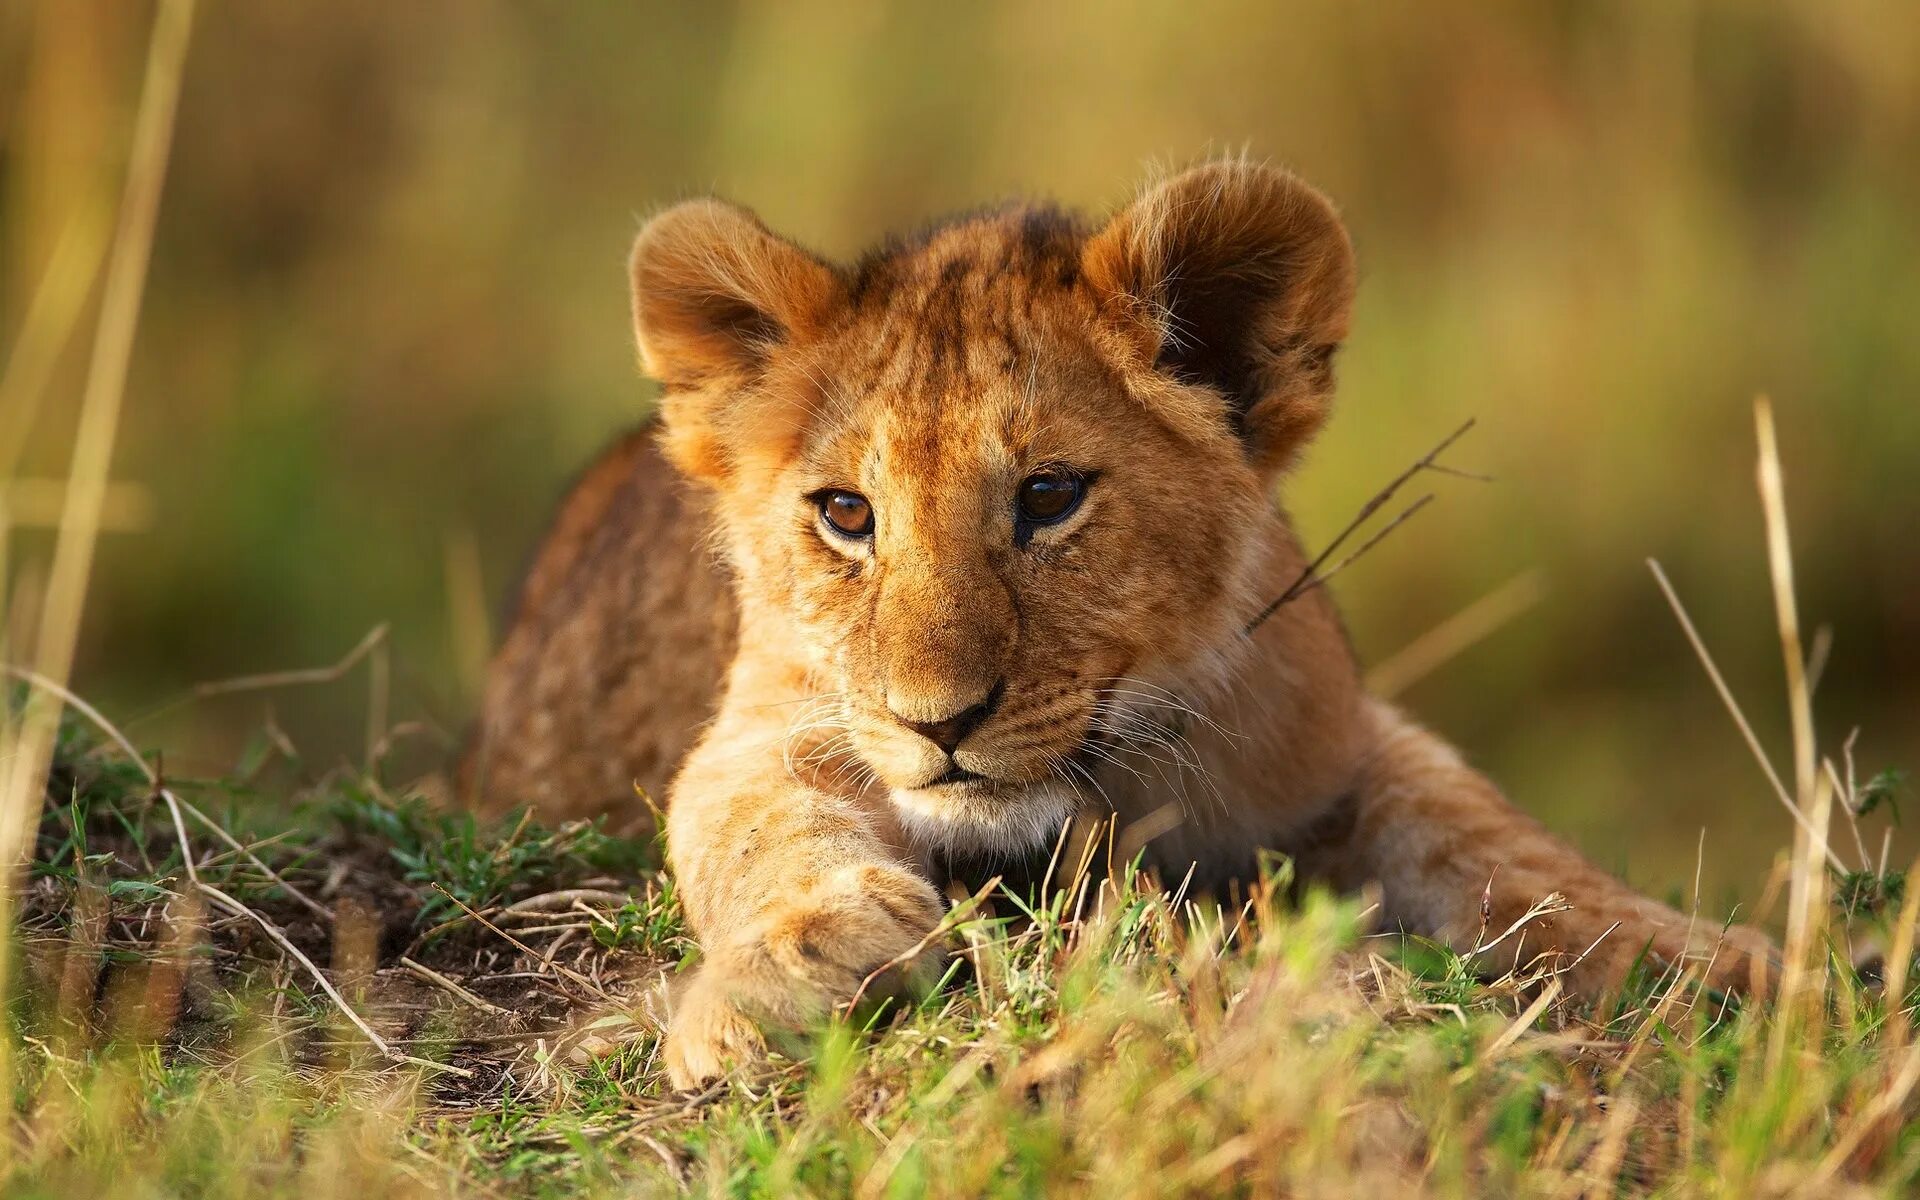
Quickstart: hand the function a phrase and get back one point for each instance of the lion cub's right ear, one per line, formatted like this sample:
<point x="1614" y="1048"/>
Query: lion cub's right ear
<point x="714" y="295"/>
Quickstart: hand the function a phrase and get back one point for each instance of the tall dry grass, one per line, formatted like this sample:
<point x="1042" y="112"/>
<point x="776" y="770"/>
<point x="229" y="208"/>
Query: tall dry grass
<point x="1114" y="1041"/>
<point x="26" y="737"/>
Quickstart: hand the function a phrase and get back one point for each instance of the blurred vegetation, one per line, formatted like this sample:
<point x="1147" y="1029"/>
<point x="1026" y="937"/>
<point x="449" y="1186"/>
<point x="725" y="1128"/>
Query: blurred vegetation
<point x="1102" y="1038"/>
<point x="387" y="320"/>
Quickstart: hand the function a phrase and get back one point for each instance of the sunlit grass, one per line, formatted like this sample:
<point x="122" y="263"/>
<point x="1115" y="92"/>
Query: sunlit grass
<point x="489" y="1016"/>
<point x="322" y="985"/>
<point x="1100" y="1040"/>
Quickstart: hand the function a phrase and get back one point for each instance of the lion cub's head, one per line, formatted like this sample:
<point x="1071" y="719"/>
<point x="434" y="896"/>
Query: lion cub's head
<point x="1005" y="482"/>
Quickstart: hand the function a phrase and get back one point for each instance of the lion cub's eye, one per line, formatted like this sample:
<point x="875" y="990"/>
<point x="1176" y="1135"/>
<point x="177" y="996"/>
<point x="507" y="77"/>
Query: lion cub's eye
<point x="848" y="513"/>
<point x="1048" y="496"/>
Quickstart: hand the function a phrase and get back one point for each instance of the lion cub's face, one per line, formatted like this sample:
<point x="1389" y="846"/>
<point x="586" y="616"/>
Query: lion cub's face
<point x="997" y="552"/>
<point x="1003" y="484"/>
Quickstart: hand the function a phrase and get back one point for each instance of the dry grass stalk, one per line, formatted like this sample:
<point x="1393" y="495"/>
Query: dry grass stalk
<point x="374" y="648"/>
<point x="451" y="988"/>
<point x="1732" y="705"/>
<point x="1310" y="576"/>
<point x="544" y="957"/>
<point x="939" y="933"/>
<point x="52" y="313"/>
<point x="30" y="503"/>
<point x="176" y="804"/>
<point x="1807" y="891"/>
<point x="235" y="908"/>
<point x="1457" y="634"/>
<point x="26" y="746"/>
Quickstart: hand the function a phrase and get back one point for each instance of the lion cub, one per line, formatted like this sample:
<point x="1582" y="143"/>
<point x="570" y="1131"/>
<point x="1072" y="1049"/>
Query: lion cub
<point x="977" y="529"/>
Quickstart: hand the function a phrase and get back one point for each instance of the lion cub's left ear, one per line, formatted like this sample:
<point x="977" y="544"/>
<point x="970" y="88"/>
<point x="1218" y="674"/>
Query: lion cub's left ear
<point x="1238" y="277"/>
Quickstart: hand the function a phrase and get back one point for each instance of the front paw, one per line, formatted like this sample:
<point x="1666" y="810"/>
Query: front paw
<point x="863" y="931"/>
<point x="707" y="1034"/>
<point x="1736" y="959"/>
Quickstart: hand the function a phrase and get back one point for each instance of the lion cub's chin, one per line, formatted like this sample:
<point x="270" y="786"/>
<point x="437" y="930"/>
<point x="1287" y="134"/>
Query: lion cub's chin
<point x="979" y="815"/>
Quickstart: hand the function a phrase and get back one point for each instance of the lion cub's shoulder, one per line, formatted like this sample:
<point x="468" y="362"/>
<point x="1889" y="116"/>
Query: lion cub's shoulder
<point x="614" y="648"/>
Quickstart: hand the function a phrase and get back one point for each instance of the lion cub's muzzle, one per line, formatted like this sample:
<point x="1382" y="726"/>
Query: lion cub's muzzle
<point x="949" y="732"/>
<point x="1002" y="740"/>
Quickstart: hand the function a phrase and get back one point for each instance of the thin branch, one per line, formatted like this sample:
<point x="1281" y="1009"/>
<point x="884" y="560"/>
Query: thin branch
<point x="525" y="949"/>
<point x="1309" y="577"/>
<point x="299" y="676"/>
<point x="451" y="988"/>
<point x="174" y="803"/>
<point x="1370" y="543"/>
<point x="1458" y="473"/>
<point x="235" y="908"/>
<point x="1733" y="708"/>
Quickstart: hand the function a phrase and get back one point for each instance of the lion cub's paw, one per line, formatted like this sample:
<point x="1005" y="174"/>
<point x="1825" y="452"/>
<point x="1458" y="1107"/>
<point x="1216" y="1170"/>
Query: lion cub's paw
<point x="1738" y="958"/>
<point x="707" y="1036"/>
<point x="800" y="961"/>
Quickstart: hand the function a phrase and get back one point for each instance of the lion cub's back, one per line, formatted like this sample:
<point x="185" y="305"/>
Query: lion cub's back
<point x="614" y="653"/>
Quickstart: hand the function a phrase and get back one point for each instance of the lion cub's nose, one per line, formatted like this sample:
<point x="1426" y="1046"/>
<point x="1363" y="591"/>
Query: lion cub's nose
<point x="949" y="732"/>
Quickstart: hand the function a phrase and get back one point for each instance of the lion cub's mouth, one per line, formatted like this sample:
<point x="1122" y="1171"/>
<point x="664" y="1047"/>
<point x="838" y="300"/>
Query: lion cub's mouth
<point x="957" y="774"/>
<point x="965" y="810"/>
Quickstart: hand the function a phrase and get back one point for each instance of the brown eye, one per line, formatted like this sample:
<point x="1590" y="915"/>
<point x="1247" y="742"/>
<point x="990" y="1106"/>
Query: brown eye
<point x="1048" y="496"/>
<point x="848" y="513"/>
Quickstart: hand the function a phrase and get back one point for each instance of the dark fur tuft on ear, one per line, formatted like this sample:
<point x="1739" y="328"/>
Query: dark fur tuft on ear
<point x="1237" y="277"/>
<point x="714" y="294"/>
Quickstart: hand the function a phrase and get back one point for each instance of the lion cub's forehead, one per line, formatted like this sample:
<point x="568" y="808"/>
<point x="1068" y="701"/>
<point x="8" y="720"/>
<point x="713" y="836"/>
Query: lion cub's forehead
<point x="965" y="344"/>
<point x="969" y="300"/>
<point x="1040" y="246"/>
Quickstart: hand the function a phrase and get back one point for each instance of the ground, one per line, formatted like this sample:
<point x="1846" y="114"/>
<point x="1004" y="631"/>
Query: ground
<point x="171" y="1036"/>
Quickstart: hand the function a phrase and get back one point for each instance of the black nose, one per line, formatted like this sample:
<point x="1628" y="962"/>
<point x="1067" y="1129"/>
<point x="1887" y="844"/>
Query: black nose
<point x="949" y="733"/>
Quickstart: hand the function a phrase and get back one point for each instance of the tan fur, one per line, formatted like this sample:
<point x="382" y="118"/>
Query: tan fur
<point x="1181" y="356"/>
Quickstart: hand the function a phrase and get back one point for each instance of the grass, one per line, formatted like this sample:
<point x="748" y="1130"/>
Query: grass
<point x="278" y="983"/>
<point x="275" y="984"/>
<point x="281" y="984"/>
<point x="1098" y="1040"/>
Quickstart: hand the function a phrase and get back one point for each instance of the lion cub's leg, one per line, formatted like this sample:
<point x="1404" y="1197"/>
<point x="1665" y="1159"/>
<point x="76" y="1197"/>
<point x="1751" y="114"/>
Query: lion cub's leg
<point x="797" y="897"/>
<point x="1456" y="862"/>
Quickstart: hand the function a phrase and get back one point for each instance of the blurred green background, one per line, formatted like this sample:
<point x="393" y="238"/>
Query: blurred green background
<point x="387" y="320"/>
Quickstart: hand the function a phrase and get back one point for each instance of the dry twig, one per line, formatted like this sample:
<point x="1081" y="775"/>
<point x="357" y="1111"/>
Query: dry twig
<point x="235" y="908"/>
<point x="525" y="949"/>
<point x="1310" y="576"/>
<point x="560" y="901"/>
<point x="1733" y="706"/>
<point x="175" y="804"/>
<point x="453" y="989"/>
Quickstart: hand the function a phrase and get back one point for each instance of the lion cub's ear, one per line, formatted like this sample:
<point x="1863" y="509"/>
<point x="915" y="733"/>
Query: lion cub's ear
<point x="1238" y="277"/>
<point x="714" y="295"/>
